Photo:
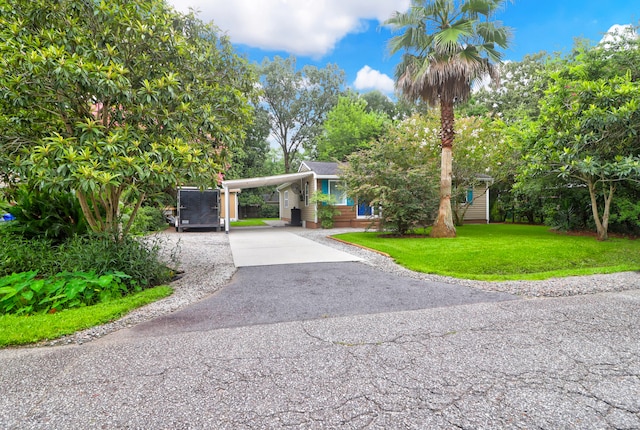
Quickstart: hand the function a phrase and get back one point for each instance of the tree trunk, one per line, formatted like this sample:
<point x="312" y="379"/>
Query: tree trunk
<point x="602" y="225"/>
<point x="94" y="222"/>
<point x="287" y="161"/>
<point x="444" y="226"/>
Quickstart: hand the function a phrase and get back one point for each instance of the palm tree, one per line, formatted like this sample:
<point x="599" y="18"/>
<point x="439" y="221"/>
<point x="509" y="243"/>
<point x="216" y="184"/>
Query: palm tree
<point x="447" y="45"/>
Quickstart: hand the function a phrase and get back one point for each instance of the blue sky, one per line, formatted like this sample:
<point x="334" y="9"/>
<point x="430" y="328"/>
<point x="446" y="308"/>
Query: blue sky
<point x="348" y="32"/>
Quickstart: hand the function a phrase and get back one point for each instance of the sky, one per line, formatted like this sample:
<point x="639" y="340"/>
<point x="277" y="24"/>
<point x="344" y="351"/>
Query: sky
<point x="349" y="33"/>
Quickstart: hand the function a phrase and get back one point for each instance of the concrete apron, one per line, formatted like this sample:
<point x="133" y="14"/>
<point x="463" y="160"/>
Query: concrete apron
<point x="267" y="247"/>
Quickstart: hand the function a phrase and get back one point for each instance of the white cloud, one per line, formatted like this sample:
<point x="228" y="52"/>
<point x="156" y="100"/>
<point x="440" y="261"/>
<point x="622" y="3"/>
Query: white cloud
<point x="617" y="34"/>
<point x="301" y="27"/>
<point x="370" y="79"/>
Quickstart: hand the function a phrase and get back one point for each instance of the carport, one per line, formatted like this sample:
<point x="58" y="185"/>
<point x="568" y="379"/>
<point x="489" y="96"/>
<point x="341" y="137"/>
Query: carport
<point x="255" y="183"/>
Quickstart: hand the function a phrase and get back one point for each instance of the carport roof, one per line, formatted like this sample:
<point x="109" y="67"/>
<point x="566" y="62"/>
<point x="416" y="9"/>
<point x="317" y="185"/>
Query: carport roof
<point x="265" y="180"/>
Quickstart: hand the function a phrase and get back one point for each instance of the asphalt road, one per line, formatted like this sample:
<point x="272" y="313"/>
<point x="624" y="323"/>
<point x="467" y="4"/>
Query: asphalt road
<point x="570" y="363"/>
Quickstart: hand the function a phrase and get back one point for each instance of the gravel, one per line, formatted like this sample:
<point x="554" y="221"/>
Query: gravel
<point x="207" y="263"/>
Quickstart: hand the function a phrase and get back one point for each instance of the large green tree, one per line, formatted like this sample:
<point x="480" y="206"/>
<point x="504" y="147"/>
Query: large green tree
<point x="254" y="158"/>
<point x="521" y="87"/>
<point x="250" y="156"/>
<point x="588" y="132"/>
<point x="396" y="175"/>
<point x="446" y="45"/>
<point x="348" y="128"/>
<point x="298" y="102"/>
<point x="380" y="103"/>
<point x="115" y="99"/>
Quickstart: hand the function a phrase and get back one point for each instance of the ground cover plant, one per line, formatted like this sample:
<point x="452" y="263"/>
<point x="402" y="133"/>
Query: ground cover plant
<point x="21" y="329"/>
<point x="24" y="293"/>
<point x="137" y="258"/>
<point x="498" y="252"/>
<point x="50" y="288"/>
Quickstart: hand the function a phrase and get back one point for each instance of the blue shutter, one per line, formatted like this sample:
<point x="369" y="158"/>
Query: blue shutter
<point x="470" y="196"/>
<point x="324" y="186"/>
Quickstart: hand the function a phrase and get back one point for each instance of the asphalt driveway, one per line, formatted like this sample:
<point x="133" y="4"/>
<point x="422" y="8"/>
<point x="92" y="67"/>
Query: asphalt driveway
<point x="299" y="292"/>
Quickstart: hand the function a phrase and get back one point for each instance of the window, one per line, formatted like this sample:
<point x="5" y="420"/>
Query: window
<point x="469" y="196"/>
<point x="336" y="191"/>
<point x="306" y="193"/>
<point x="286" y="199"/>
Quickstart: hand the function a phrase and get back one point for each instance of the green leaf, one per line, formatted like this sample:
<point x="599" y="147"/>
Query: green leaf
<point x="105" y="280"/>
<point x="8" y="292"/>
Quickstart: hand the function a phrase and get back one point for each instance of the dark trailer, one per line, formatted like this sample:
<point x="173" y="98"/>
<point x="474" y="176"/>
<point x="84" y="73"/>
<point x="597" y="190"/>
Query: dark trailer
<point x="198" y="209"/>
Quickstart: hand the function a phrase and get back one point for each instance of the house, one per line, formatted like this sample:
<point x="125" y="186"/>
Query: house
<point x="295" y="191"/>
<point x="323" y="177"/>
<point x="474" y="208"/>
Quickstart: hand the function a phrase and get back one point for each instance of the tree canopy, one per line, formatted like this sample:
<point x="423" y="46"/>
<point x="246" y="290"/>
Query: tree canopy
<point x="347" y="129"/>
<point x="380" y="103"/>
<point x="113" y="100"/>
<point x="519" y="90"/>
<point x="298" y="102"/>
<point x="396" y="175"/>
<point x="588" y="132"/>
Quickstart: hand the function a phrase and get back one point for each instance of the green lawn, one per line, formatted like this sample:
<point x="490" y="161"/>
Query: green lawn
<point x="20" y="330"/>
<point x="252" y="222"/>
<point x="498" y="252"/>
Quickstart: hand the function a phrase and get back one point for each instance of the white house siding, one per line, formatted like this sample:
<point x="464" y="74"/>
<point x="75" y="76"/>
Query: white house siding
<point x="308" y="213"/>
<point x="477" y="212"/>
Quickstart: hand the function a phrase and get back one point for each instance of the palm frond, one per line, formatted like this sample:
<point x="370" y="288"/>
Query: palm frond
<point x="446" y="47"/>
<point x="494" y="32"/>
<point x="473" y="8"/>
<point x="462" y="30"/>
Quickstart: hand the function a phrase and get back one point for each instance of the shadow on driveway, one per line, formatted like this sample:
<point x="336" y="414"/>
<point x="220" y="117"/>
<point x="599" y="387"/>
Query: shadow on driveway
<point x="298" y="292"/>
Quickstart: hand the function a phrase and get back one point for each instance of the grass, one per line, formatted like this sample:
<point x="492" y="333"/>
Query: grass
<point x="252" y="222"/>
<point x="20" y="330"/>
<point x="498" y="252"/>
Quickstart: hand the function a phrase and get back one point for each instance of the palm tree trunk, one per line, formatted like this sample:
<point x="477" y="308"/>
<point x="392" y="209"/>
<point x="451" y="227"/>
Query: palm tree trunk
<point x="444" y="226"/>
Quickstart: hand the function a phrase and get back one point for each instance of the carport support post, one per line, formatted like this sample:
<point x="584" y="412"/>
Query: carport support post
<point x="226" y="209"/>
